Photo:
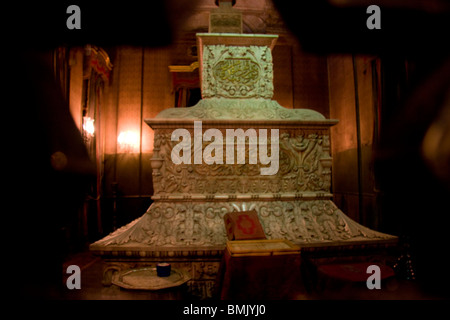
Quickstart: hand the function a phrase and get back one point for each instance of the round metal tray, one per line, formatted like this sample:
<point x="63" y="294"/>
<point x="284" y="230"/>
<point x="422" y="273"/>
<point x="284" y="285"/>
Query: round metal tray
<point x="147" y="279"/>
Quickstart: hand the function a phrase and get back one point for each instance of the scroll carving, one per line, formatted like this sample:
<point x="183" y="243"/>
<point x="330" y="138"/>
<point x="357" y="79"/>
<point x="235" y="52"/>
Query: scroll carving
<point x="201" y="224"/>
<point x="304" y="166"/>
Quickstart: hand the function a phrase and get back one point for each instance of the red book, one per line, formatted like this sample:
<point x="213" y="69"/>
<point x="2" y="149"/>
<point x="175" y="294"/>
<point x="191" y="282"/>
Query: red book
<point x="243" y="225"/>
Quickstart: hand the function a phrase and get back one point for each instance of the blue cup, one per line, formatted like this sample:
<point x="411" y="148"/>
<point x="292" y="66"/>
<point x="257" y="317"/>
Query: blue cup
<point x="163" y="269"/>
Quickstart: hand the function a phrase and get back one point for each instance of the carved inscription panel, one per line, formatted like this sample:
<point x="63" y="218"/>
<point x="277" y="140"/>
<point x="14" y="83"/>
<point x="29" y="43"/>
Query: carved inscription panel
<point x="237" y="72"/>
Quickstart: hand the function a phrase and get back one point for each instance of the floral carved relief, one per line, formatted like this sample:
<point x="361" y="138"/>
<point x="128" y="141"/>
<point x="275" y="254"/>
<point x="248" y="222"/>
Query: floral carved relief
<point x="201" y="224"/>
<point x="301" y="169"/>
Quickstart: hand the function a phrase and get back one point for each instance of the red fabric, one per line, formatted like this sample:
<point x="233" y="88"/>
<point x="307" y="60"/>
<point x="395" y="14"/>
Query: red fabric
<point x="354" y="272"/>
<point x="260" y="277"/>
<point x="243" y="226"/>
<point x="185" y="80"/>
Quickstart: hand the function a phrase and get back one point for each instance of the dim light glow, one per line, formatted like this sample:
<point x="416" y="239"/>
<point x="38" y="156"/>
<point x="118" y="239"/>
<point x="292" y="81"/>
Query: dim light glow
<point x="128" y="141"/>
<point x="88" y="126"/>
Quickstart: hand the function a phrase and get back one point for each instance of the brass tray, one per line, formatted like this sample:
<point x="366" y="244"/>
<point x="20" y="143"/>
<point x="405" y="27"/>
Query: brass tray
<point x="147" y="279"/>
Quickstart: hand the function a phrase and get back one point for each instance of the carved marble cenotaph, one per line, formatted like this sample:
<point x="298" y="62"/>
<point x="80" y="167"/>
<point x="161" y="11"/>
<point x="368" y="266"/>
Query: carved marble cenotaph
<point x="184" y="224"/>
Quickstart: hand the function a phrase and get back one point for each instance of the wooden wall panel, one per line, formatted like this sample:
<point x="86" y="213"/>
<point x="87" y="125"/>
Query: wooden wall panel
<point x="353" y="137"/>
<point x="157" y="94"/>
<point x="140" y="88"/>
<point x="310" y="77"/>
<point x="282" y="69"/>
<point x="76" y="84"/>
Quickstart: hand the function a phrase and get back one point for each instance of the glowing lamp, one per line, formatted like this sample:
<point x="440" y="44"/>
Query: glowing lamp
<point x="128" y="141"/>
<point x="88" y="127"/>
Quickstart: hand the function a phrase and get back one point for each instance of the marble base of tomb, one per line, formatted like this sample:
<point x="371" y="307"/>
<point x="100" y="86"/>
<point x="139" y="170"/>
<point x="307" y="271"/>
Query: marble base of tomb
<point x="322" y="231"/>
